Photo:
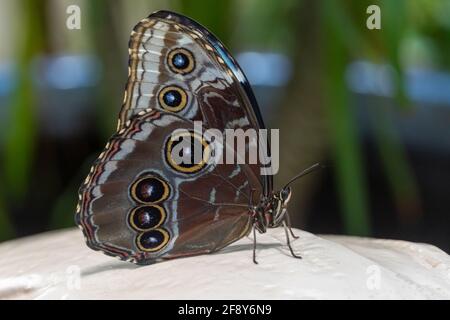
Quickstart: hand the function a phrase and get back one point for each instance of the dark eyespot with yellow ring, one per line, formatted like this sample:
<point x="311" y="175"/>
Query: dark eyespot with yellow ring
<point x="149" y="189"/>
<point x="187" y="152"/>
<point x="181" y="61"/>
<point x="172" y="99"/>
<point x="152" y="240"/>
<point x="146" y="217"/>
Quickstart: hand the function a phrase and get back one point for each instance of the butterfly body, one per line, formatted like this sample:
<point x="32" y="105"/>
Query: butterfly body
<point x="138" y="203"/>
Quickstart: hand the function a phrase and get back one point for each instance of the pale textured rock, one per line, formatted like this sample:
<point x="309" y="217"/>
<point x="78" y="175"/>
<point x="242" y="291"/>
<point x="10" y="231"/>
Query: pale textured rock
<point x="333" y="267"/>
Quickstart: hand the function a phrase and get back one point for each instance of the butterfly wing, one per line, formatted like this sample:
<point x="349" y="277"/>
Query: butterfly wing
<point x="176" y="65"/>
<point x="137" y="205"/>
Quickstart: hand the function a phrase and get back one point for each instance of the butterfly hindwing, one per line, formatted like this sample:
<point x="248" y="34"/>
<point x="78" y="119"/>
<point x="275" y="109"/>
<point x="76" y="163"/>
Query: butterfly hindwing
<point x="192" y="213"/>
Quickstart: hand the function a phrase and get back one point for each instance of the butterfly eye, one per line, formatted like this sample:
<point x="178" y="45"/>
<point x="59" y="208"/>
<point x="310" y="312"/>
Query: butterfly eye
<point x="173" y="99"/>
<point x="146" y="217"/>
<point x="149" y="189"/>
<point x="285" y="194"/>
<point x="152" y="240"/>
<point x="181" y="61"/>
<point x="187" y="152"/>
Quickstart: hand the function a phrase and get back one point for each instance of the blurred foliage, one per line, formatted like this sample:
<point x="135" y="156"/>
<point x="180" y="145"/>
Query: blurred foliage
<point x="20" y="140"/>
<point x="248" y="25"/>
<point x="6" y="228"/>
<point x="216" y="17"/>
<point x="343" y="129"/>
<point x="103" y="23"/>
<point x="22" y="126"/>
<point x="346" y="38"/>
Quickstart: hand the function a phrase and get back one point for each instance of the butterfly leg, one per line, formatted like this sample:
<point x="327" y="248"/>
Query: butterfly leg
<point x="288" y="221"/>
<point x="288" y="241"/>
<point x="254" y="244"/>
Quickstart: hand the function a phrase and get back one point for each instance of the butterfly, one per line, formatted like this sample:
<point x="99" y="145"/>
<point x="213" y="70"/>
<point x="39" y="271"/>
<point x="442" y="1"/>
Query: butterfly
<point x="138" y="204"/>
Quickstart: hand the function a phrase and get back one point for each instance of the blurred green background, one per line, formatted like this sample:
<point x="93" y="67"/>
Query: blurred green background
<point x="374" y="105"/>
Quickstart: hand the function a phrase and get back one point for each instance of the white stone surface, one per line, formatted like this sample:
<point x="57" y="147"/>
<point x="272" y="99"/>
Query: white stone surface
<point x="58" y="265"/>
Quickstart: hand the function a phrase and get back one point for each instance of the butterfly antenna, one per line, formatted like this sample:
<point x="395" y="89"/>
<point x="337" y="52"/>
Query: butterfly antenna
<point x="305" y="172"/>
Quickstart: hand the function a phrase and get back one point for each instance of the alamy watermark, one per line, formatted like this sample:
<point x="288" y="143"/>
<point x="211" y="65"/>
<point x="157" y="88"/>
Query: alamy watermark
<point x="373" y="22"/>
<point x="70" y="278"/>
<point x="73" y="21"/>
<point x="373" y="277"/>
<point x="230" y="146"/>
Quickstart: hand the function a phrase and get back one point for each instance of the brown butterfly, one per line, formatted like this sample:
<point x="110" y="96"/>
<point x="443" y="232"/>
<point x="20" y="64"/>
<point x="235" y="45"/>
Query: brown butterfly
<point x="140" y="205"/>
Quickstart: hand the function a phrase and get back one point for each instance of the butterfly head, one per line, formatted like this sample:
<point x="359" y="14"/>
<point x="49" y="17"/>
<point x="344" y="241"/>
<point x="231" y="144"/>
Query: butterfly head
<point x="278" y="206"/>
<point x="278" y="202"/>
<point x="285" y="195"/>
